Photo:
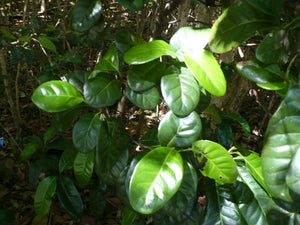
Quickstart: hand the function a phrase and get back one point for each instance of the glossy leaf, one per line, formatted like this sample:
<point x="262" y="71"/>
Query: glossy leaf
<point x="56" y="96"/>
<point x="236" y="24"/>
<point x="150" y="138"/>
<point x="145" y="76"/>
<point x="63" y="121"/>
<point x="258" y="74"/>
<point x="186" y="193"/>
<point x="97" y="199"/>
<point x="140" y="54"/>
<point x="47" y="43"/>
<point x="85" y="14"/>
<point x="280" y="154"/>
<point x="272" y="49"/>
<point x="187" y="40"/>
<point x="224" y="132"/>
<point x="125" y="39"/>
<point x="102" y="91"/>
<point x="110" y="61"/>
<point x="274" y="86"/>
<point x="85" y="132"/>
<point x="66" y="160"/>
<point x="128" y="216"/>
<point x="155" y="180"/>
<point x="144" y="100"/>
<point x="179" y="132"/>
<point x="219" y="165"/>
<point x="83" y="167"/>
<point x="270" y="7"/>
<point x="78" y="78"/>
<point x="241" y="120"/>
<point x="132" y="4"/>
<point x="44" y="194"/>
<point x="69" y="197"/>
<point x="204" y="101"/>
<point x="207" y="71"/>
<point x="180" y="90"/>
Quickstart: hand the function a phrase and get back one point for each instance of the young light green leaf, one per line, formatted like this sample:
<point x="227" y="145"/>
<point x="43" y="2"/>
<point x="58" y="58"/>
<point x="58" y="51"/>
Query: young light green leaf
<point x="56" y="96"/>
<point x="145" y="100"/>
<point x="43" y="195"/>
<point x="128" y="216"/>
<point x="47" y="43"/>
<point x="236" y="24"/>
<point x="206" y="69"/>
<point x="187" y="40"/>
<point x="83" y="167"/>
<point x="110" y="61"/>
<point x="174" y="131"/>
<point x="140" y="54"/>
<point x="180" y="90"/>
<point x="85" y="132"/>
<point x="155" y="179"/>
<point x="281" y="152"/>
<point x="219" y="165"/>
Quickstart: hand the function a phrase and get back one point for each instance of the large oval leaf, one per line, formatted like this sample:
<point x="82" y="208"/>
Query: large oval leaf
<point x="236" y="24"/>
<point x="219" y="165"/>
<point x="85" y="132"/>
<point x="145" y="76"/>
<point x="102" y="91"/>
<point x="187" y="39"/>
<point x="125" y="39"/>
<point x="270" y="7"/>
<point x="156" y="178"/>
<point x="85" y="14"/>
<point x="69" y="197"/>
<point x="148" y="51"/>
<point x="83" y="167"/>
<point x="258" y="74"/>
<point x="206" y="69"/>
<point x="185" y="194"/>
<point x="144" y="100"/>
<point x="179" y="132"/>
<point x="281" y="152"/>
<point x="43" y="195"/>
<point x="56" y="96"/>
<point x="78" y="78"/>
<point x="180" y="90"/>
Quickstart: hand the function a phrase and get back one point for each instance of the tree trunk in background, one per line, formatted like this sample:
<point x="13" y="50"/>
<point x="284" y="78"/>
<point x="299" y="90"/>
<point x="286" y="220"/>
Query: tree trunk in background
<point x="183" y="12"/>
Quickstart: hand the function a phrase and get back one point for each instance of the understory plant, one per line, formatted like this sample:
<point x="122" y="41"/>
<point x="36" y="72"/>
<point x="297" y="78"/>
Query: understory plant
<point x="184" y="174"/>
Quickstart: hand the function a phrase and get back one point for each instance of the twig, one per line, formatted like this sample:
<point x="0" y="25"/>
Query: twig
<point x="11" y="137"/>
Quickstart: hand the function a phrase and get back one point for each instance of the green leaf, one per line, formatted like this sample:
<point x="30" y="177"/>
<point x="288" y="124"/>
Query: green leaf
<point x="56" y="96"/>
<point x="155" y="180"/>
<point x="270" y="7"/>
<point x="85" y="132"/>
<point x="97" y="199"/>
<point x="63" y="121"/>
<point x="85" y="14"/>
<point x="187" y="40"/>
<point x="204" y="101"/>
<point x="236" y="24"/>
<point x="102" y="91"/>
<point x="241" y="120"/>
<point x="180" y="90"/>
<point x="29" y="151"/>
<point x="43" y="195"/>
<point x="145" y="76"/>
<point x="207" y="71"/>
<point x="50" y="133"/>
<point x="219" y="165"/>
<point x="83" y="167"/>
<point x="78" y="78"/>
<point x="17" y="54"/>
<point x="140" y="54"/>
<point x="110" y="61"/>
<point x="128" y="216"/>
<point x="125" y="39"/>
<point x="66" y="160"/>
<point x="144" y="100"/>
<point x="274" y="86"/>
<point x="281" y="152"/>
<point x="69" y="197"/>
<point x="179" y="132"/>
<point x="132" y="4"/>
<point x="150" y="138"/>
<point x="272" y="49"/>
<point x="47" y="43"/>
<point x="186" y="193"/>
<point x="259" y="74"/>
<point x="7" y="34"/>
